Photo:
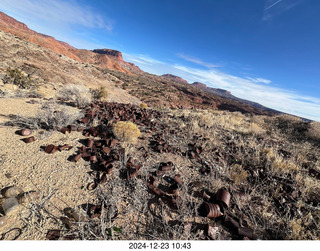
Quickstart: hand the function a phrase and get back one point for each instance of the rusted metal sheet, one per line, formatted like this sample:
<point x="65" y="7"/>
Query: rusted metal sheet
<point x="64" y="147"/>
<point x="246" y="231"/>
<point x="224" y="197"/>
<point x="178" y="180"/>
<point x="103" y="178"/>
<point x="29" y="140"/>
<point x="65" y="130"/>
<point x="77" y="157"/>
<point x="90" y="143"/>
<point x="51" y="149"/>
<point x="213" y="210"/>
<point x="72" y="128"/>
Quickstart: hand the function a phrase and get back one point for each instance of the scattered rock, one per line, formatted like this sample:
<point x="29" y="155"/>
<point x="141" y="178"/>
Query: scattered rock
<point x="13" y="192"/>
<point x="25" y="132"/>
<point x="28" y="197"/>
<point x="10" y="206"/>
<point x="2" y="220"/>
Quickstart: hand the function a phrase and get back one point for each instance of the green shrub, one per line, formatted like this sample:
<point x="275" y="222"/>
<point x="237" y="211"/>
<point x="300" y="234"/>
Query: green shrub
<point x="100" y="93"/>
<point x="19" y="78"/>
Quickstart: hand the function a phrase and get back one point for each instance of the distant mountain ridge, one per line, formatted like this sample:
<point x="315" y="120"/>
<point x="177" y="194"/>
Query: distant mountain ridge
<point x="227" y="94"/>
<point x="108" y="60"/>
<point x="167" y="90"/>
<point x="220" y="92"/>
<point x="175" y="78"/>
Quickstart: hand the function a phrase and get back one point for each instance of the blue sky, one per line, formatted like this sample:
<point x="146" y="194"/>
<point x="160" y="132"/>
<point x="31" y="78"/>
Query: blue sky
<point x="266" y="51"/>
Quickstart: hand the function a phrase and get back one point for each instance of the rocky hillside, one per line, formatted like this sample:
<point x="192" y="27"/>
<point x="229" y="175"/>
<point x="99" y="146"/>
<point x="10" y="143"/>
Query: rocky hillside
<point x="9" y="24"/>
<point x="52" y="70"/>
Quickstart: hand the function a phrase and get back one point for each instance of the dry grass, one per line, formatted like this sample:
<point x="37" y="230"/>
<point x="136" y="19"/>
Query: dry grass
<point x="143" y="105"/>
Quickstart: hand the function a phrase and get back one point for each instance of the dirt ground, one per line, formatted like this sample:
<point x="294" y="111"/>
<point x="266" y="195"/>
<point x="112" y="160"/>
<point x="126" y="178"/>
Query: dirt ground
<point x="59" y="181"/>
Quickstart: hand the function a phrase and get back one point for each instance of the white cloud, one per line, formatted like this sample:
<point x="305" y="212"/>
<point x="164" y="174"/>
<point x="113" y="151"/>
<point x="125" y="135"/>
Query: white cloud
<point x="57" y="12"/>
<point x="276" y="7"/>
<point x="197" y="61"/>
<point x="260" y="80"/>
<point x="271" y="4"/>
<point x="142" y="59"/>
<point x="254" y="89"/>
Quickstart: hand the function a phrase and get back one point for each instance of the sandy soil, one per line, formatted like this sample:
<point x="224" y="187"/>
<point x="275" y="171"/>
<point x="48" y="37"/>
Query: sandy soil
<point x="59" y="181"/>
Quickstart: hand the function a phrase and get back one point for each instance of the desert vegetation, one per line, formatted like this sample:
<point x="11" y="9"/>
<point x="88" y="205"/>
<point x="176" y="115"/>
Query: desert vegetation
<point x="100" y="93"/>
<point x="269" y="165"/>
<point x="20" y="78"/>
<point x="51" y="116"/>
<point x="78" y="94"/>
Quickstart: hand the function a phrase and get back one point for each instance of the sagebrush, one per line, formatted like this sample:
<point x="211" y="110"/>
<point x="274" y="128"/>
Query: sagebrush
<point x="50" y="117"/>
<point x="126" y="131"/>
<point x="78" y="94"/>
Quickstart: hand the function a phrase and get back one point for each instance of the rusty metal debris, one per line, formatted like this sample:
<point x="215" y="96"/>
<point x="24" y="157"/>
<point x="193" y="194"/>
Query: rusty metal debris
<point x="230" y="222"/>
<point x="178" y="180"/>
<point x="224" y="197"/>
<point x="213" y="210"/>
<point x="29" y="140"/>
<point x="103" y="178"/>
<point x="51" y="149"/>
<point x="90" y="143"/>
<point x="92" y="186"/>
<point x="174" y="188"/>
<point x="93" y="159"/>
<point x="65" y="130"/>
<point x="204" y="195"/>
<point x="64" y="147"/>
<point x="77" y="157"/>
<point x="53" y="234"/>
<point x="72" y="128"/>
<point x="246" y="232"/>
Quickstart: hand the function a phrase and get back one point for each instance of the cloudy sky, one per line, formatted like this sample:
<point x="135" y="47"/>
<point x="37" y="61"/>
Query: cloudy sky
<point x="266" y="51"/>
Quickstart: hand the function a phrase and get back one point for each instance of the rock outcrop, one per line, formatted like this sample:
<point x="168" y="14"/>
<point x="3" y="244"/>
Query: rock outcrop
<point x="113" y="53"/>
<point x="217" y="91"/>
<point x="175" y="78"/>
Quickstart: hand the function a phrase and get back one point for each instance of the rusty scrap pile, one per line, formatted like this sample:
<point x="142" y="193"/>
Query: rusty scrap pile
<point x="102" y="151"/>
<point x="213" y="206"/>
